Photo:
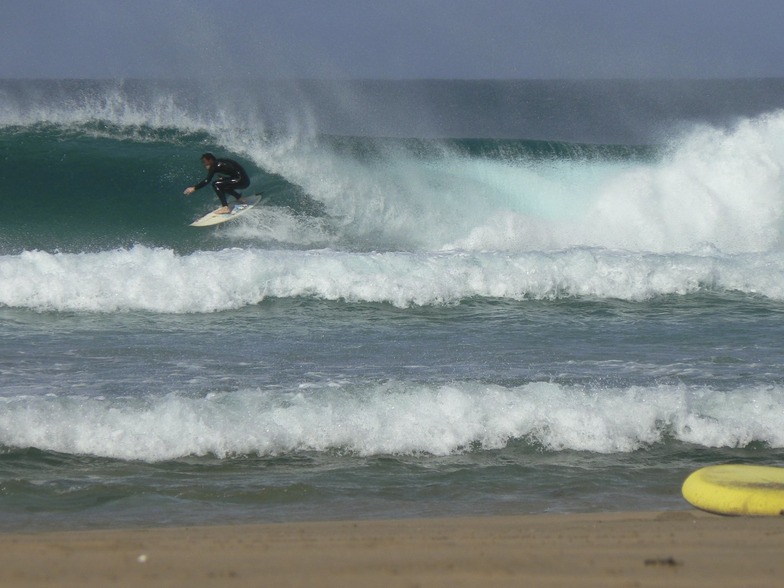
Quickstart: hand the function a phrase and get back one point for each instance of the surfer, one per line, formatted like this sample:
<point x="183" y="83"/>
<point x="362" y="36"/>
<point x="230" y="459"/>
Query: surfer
<point x="232" y="176"/>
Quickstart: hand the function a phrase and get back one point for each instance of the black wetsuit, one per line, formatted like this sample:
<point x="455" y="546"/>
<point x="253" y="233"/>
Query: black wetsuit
<point x="232" y="177"/>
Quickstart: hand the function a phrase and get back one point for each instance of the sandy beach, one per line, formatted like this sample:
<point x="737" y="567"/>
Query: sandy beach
<point x="684" y="548"/>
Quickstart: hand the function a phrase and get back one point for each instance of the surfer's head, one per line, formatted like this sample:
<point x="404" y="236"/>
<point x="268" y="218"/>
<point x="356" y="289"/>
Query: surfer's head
<point x="208" y="159"/>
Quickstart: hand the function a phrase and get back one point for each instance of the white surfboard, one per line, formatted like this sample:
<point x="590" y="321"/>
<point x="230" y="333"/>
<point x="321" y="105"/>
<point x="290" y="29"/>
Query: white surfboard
<point x="213" y="218"/>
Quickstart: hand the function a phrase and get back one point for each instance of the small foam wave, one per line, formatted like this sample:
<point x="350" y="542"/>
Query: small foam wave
<point x="160" y="280"/>
<point x="394" y="418"/>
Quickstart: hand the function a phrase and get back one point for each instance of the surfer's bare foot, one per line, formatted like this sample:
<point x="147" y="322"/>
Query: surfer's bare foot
<point x="223" y="210"/>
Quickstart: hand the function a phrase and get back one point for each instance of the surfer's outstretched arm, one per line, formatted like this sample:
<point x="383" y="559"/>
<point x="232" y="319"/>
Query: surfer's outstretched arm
<point x="208" y="161"/>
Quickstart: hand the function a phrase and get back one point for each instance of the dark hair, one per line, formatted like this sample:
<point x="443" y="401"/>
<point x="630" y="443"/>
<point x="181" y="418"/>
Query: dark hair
<point x="209" y="156"/>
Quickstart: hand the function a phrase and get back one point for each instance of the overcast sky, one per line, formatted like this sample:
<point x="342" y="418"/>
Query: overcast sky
<point x="391" y="39"/>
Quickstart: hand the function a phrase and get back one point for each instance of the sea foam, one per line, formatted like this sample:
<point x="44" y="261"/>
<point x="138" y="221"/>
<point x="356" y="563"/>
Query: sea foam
<point x="394" y="418"/>
<point x="162" y="281"/>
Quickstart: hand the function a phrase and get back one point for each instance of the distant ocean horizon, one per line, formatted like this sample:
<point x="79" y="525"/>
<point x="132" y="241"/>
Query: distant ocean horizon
<point x="458" y="298"/>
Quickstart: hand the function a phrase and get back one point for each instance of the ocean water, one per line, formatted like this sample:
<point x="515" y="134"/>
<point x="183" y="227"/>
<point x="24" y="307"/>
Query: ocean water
<point x="459" y="298"/>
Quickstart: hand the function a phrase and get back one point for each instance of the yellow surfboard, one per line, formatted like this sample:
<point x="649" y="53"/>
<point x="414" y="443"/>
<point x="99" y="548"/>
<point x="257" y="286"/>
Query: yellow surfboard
<point x="734" y="489"/>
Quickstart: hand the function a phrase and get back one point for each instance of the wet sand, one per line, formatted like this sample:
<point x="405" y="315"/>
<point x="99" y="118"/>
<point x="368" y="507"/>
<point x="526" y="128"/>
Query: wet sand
<point x="684" y="548"/>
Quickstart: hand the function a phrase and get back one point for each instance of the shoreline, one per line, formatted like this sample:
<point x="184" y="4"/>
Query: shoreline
<point x="673" y="548"/>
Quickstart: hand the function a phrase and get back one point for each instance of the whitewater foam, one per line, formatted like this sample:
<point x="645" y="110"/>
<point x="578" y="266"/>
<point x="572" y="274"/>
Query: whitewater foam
<point x="722" y="187"/>
<point x="393" y="418"/>
<point x="277" y="225"/>
<point x="159" y="280"/>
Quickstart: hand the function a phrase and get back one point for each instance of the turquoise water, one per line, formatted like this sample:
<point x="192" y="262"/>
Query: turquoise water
<point x="412" y="324"/>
